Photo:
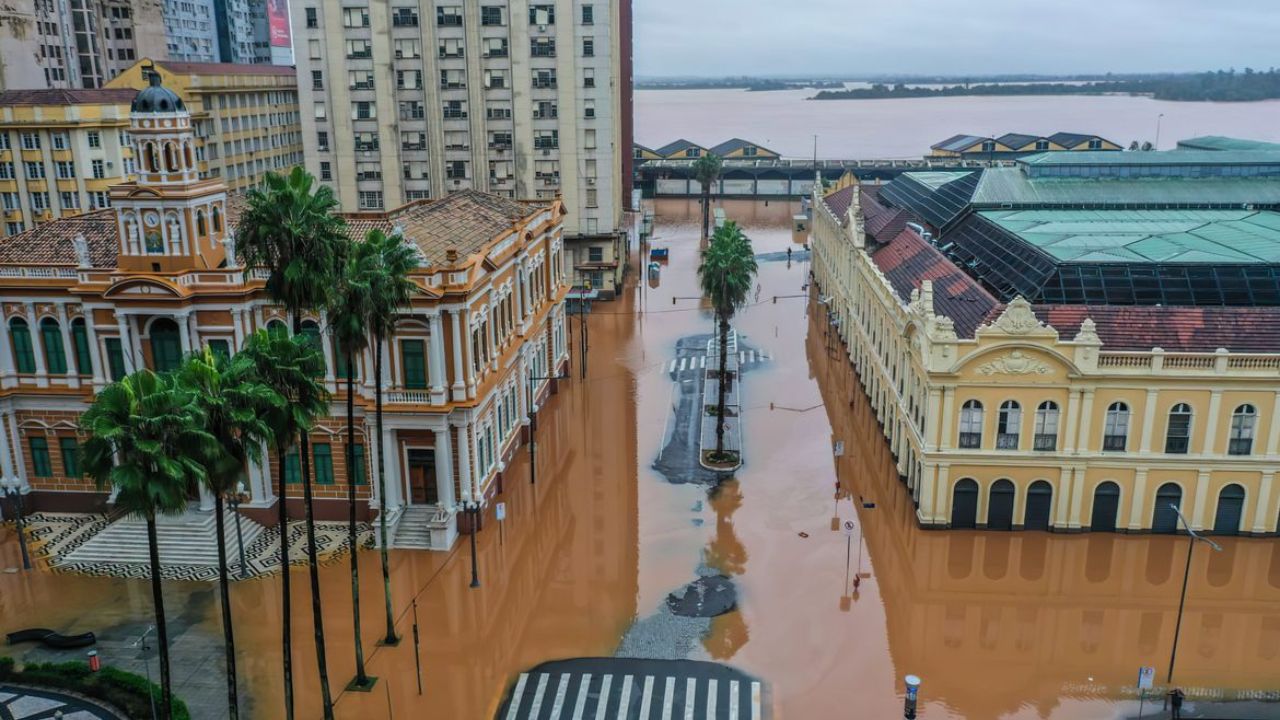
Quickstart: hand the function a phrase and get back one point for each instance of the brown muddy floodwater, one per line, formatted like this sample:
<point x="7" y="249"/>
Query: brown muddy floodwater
<point x="998" y="625"/>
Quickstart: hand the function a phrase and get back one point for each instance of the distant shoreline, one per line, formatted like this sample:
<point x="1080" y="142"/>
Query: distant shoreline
<point x="1205" y="87"/>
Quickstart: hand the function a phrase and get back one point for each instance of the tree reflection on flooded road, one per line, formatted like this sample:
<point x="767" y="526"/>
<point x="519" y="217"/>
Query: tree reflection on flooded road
<point x="998" y="625"/>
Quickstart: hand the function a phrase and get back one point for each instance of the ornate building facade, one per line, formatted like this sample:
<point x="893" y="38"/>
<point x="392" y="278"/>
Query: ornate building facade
<point x="90" y="298"/>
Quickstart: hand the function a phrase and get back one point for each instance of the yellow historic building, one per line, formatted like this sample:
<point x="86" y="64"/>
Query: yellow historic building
<point x="1014" y="145"/>
<point x="1070" y="416"/>
<point x="90" y="298"/>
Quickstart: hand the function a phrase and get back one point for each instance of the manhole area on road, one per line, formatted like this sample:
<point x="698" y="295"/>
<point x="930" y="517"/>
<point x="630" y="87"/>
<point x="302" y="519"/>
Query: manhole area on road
<point x="633" y="689"/>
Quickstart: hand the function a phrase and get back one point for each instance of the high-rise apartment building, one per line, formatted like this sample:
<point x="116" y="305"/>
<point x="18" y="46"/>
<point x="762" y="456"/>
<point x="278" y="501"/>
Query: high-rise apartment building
<point x="191" y="30"/>
<point x="404" y="100"/>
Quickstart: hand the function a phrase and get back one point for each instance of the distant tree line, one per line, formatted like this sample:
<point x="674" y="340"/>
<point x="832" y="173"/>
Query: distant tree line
<point x="1219" y="86"/>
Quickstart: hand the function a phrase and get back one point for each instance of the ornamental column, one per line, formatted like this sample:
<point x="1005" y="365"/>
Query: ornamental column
<point x="184" y="335"/>
<point x="330" y="379"/>
<point x="126" y="345"/>
<point x="68" y="347"/>
<point x="7" y="368"/>
<point x="435" y="368"/>
<point x="459" y="387"/>
<point x="6" y="458"/>
<point x="95" y="351"/>
<point x="464" y="463"/>
<point x="42" y="373"/>
<point x="444" y="468"/>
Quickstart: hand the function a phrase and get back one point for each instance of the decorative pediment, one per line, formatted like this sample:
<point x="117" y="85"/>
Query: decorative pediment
<point x="142" y="191"/>
<point x="1014" y="363"/>
<point x="143" y="287"/>
<point x="1017" y="319"/>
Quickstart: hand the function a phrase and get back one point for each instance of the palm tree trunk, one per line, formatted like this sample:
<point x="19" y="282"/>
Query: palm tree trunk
<point x="724" y="381"/>
<point x="313" y="561"/>
<point x="285" y="592"/>
<point x="706" y="210"/>
<point x="162" y="628"/>
<point x="228" y="634"/>
<point x="390" y="638"/>
<point x="361" y="678"/>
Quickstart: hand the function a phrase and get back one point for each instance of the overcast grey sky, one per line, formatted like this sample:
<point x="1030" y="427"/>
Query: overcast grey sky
<point x="776" y="37"/>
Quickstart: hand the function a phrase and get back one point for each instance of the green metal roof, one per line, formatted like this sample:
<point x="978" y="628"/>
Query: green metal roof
<point x="936" y="179"/>
<point x="1221" y="142"/>
<point x="1139" y="236"/>
<point x="1163" y="157"/>
<point x="1011" y="186"/>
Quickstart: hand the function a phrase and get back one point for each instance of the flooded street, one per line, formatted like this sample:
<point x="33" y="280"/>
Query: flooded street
<point x="998" y="625"/>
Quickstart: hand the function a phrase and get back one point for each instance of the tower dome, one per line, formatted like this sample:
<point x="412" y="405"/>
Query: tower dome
<point x="157" y="98"/>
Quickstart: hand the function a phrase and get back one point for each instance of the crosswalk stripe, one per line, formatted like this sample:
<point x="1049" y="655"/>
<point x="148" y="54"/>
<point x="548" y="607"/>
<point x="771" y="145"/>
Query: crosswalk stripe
<point x="682" y="361"/>
<point x="560" y="694"/>
<point x="625" y="702"/>
<point x="536" y="708"/>
<point x="742" y="358"/>
<point x="646" y="698"/>
<point x="703" y="361"/>
<point x="673" y="366"/>
<point x="582" y="696"/>
<point x="602" y="703"/>
<point x="711" y="698"/>
<point x="514" y="711"/>
<point x="755" y="701"/>
<point x="667" y="697"/>
<point x="733" y="700"/>
<point x="690" y="691"/>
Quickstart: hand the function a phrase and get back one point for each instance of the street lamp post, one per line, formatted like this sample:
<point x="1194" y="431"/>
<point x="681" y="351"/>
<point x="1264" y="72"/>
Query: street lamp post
<point x="533" y="425"/>
<point x="1158" y="119"/>
<point x="1191" y="546"/>
<point x="234" y="501"/>
<point x="473" y="509"/>
<point x="13" y="489"/>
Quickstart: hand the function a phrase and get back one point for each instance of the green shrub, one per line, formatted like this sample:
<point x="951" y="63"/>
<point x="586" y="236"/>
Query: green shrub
<point x="127" y="692"/>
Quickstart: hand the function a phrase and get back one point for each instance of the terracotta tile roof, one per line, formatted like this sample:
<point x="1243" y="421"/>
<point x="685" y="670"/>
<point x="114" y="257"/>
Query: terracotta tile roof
<point x="907" y="261"/>
<point x="887" y="225"/>
<point x="199" y="68"/>
<point x="50" y="243"/>
<point x="1181" y="329"/>
<point x="466" y="220"/>
<point x="96" y="96"/>
<point x="838" y="202"/>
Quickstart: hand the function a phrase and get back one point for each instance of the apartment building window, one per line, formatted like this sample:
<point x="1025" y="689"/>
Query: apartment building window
<point x="39" y="200"/>
<point x="99" y="169"/>
<point x="1243" y="423"/>
<point x="1116" y="431"/>
<point x="588" y="47"/>
<point x="588" y="77"/>
<point x="456" y="169"/>
<point x="364" y="110"/>
<point x="546" y="110"/>
<point x="1046" y="430"/>
<point x="414" y="361"/>
<point x="413" y="141"/>
<point x="6" y="171"/>
<point x="368" y="171"/>
<point x="593" y="198"/>
<point x="366" y="141"/>
<point x="322" y="112"/>
<point x="4" y="141"/>
<point x="544" y="79"/>
<point x="412" y="110"/>
<point x="1177" y="439"/>
<point x="547" y="171"/>
<point x="415" y="170"/>
<point x="9" y="200"/>
<point x="12" y="228"/>
<point x="542" y="47"/>
<point x="456" y="140"/>
<point x="326" y="170"/>
<point x="355" y="17"/>
<point x="451" y="48"/>
<point x="546" y="139"/>
<point x="370" y="199"/>
<point x="404" y="17"/>
<point x="408" y="48"/>
<point x="359" y="49"/>
<point x="40" y="463"/>
<point x="495" y="79"/>
<point x="491" y="16"/>
<point x="449" y="16"/>
<point x="595" y="254"/>
<point x="99" y="199"/>
<point x="313" y="48"/>
<point x="971" y="424"/>
<point x="313" y="19"/>
<point x="589" y="109"/>
<point x="588" y="14"/>
<point x="30" y="141"/>
<point x="409" y="79"/>
<point x="500" y="170"/>
<point x="322" y="140"/>
<point x="495" y="47"/>
<point x="95" y="138"/>
<point x="455" y="110"/>
<point x="589" y="170"/>
<point x="499" y="140"/>
<point x="70" y="200"/>
<point x="1008" y="424"/>
<point x="453" y="79"/>
<point x="589" y="139"/>
<point x="498" y="112"/>
<point x="317" y="80"/>
<point x="66" y="169"/>
<point x="35" y="170"/>
<point x="542" y="14"/>
<point x="59" y="140"/>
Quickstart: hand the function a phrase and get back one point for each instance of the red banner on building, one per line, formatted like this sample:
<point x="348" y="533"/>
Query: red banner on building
<point x="278" y="21"/>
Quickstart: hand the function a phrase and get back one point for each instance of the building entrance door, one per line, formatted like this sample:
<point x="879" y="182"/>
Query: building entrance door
<point x="422" y="477"/>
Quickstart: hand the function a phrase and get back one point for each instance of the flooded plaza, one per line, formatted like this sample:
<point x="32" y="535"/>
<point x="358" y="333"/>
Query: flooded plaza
<point x="998" y="625"/>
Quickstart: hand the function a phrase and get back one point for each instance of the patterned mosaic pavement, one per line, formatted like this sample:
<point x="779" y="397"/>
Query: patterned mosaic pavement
<point x="53" y="536"/>
<point x="24" y="704"/>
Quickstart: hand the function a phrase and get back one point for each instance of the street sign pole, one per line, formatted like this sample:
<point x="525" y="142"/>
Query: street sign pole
<point x="1146" y="678"/>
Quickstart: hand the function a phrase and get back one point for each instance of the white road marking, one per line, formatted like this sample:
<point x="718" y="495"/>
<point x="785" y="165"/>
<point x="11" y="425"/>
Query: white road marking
<point x="625" y="699"/>
<point x="755" y="701"/>
<point x="673" y="366"/>
<point x="516" y="695"/>
<point x="733" y="700"/>
<point x="537" y="696"/>
<point x="582" y="697"/>
<point x="646" y="698"/>
<point x="561" y="691"/>
<point x="668" y="696"/>
<point x="690" y="690"/>
<point x="702" y="361"/>
<point x="603" y="703"/>
<point x="682" y="361"/>
<point x="711" y="699"/>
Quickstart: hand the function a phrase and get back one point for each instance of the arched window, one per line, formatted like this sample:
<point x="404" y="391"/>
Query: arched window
<point x="1047" y="426"/>
<point x="1164" y="519"/>
<point x="201" y="229"/>
<point x="24" y="355"/>
<point x="964" y="504"/>
<point x="1000" y="506"/>
<point x="278" y="328"/>
<point x="311" y="331"/>
<point x="1243" y="422"/>
<point x="166" y="346"/>
<point x="186" y="154"/>
<point x="80" y="338"/>
<point x="1106" y="505"/>
<point x="1116" y="432"/>
<point x="1177" y="439"/>
<point x="216" y="216"/>
<point x="1008" y="423"/>
<point x="153" y="158"/>
<point x="971" y="424"/>
<point x="1230" y="510"/>
<point x="170" y="157"/>
<point x="55" y="352"/>
<point x="1039" y="504"/>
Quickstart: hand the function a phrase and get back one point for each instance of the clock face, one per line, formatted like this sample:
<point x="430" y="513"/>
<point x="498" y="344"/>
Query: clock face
<point x="151" y="219"/>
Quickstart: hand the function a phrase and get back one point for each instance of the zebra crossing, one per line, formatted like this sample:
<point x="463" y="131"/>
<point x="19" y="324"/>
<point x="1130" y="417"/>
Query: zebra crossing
<point x="650" y="691"/>
<point x="699" y="362"/>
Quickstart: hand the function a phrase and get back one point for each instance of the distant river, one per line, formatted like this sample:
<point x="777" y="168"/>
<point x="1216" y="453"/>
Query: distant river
<point x="905" y="128"/>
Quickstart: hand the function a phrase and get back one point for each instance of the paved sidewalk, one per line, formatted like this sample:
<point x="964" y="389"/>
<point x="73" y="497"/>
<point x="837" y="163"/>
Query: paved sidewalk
<point x="24" y="704"/>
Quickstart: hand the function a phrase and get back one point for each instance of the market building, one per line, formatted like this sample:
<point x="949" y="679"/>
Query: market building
<point x="90" y="298"/>
<point x="1073" y="343"/>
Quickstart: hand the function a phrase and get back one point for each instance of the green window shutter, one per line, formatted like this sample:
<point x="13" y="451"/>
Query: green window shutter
<point x="55" y="353"/>
<point x="80" y="337"/>
<point x="311" y="332"/>
<point x="292" y="469"/>
<point x="166" y="347"/>
<point x="70" y="456"/>
<point x="23" y="354"/>
<point x="357" y="465"/>
<point x="40" y="457"/>
<point x="221" y="348"/>
<point x="323" y="455"/>
<point x="415" y="364"/>
<point x="115" y="358"/>
<point x="340" y="359"/>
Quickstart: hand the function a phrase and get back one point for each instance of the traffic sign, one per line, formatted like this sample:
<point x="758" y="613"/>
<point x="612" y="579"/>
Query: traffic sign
<point x="848" y="528"/>
<point x="1146" y="678"/>
<point x="501" y="511"/>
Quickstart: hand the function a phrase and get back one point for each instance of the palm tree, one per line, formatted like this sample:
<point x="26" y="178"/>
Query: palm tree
<point x="348" y="320"/>
<point x="290" y="229"/>
<point x="390" y="290"/>
<point x="727" y="271"/>
<point x="145" y="439"/>
<point x="234" y="405"/>
<point x="706" y="170"/>
<point x="292" y="368"/>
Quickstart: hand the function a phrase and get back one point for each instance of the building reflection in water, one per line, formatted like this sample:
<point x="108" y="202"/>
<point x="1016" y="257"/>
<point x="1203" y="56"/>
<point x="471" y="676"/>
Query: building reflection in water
<point x="1016" y="623"/>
